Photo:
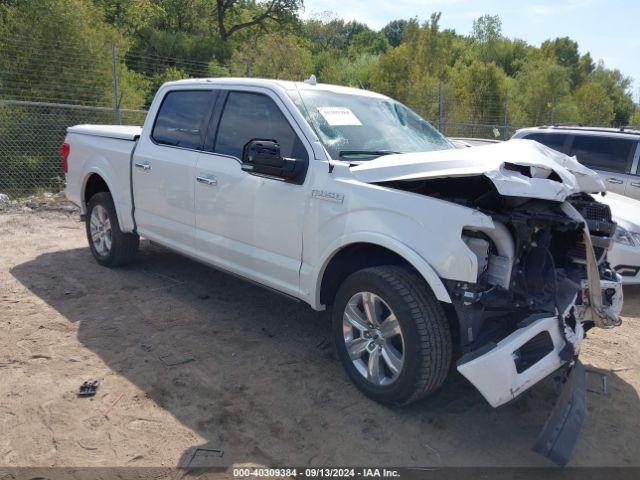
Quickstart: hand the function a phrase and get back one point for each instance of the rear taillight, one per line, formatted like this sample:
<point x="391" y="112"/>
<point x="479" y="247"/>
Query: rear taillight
<point x="65" y="155"/>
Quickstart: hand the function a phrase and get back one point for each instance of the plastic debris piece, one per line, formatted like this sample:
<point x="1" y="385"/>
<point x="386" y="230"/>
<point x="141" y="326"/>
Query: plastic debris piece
<point x="88" y="388"/>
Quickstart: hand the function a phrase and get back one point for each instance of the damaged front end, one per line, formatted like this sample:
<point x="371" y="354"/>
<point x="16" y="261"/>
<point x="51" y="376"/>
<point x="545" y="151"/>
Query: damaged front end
<point x="541" y="258"/>
<point x="542" y="282"/>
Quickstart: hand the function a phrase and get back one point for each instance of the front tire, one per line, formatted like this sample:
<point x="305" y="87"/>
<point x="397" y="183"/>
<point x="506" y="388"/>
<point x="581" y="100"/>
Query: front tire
<point x="109" y="245"/>
<point x="391" y="334"/>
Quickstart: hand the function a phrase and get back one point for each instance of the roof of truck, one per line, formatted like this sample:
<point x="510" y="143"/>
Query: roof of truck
<point x="272" y="83"/>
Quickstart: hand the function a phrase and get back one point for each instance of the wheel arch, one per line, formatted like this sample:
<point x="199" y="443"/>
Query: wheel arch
<point x="95" y="181"/>
<point x="363" y="251"/>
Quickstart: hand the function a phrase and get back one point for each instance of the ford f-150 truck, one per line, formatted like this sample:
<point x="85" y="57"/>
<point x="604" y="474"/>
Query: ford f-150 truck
<point x="492" y="257"/>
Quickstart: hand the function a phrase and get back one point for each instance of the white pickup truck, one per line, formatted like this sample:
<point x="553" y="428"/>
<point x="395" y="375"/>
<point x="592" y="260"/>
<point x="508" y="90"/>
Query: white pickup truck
<point x="492" y="257"/>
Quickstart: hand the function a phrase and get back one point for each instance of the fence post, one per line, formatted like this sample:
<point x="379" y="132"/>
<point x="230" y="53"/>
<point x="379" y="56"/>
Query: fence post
<point x="116" y="100"/>
<point x="441" y="122"/>
<point x="506" y="114"/>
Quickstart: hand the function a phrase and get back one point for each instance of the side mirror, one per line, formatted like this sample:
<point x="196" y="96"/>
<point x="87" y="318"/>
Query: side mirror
<point x="263" y="157"/>
<point x="262" y="152"/>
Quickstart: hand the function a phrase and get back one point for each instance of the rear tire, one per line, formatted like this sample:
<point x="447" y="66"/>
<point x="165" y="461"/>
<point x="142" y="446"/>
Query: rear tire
<point x="406" y="355"/>
<point x="109" y="245"/>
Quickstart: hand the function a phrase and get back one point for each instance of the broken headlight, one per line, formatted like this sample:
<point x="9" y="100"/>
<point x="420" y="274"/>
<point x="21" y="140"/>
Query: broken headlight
<point x="625" y="237"/>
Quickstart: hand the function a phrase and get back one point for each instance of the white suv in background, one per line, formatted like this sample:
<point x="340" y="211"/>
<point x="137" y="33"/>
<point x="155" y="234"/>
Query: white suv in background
<point x="612" y="152"/>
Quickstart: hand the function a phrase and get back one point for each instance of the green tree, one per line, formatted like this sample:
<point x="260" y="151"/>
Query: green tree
<point x="487" y="32"/>
<point x="55" y="50"/>
<point x="594" y="105"/>
<point x="635" y="118"/>
<point x="564" y="52"/>
<point x="540" y="87"/>
<point x="393" y="73"/>
<point x="585" y="66"/>
<point x="368" y="41"/>
<point x="618" y="87"/>
<point x="480" y="92"/>
<point x="236" y="15"/>
<point x="394" y="32"/>
<point x="273" y="56"/>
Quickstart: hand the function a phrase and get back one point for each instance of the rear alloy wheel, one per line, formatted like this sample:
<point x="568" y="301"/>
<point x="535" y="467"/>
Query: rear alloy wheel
<point x="100" y="230"/>
<point x="109" y="245"/>
<point x="391" y="334"/>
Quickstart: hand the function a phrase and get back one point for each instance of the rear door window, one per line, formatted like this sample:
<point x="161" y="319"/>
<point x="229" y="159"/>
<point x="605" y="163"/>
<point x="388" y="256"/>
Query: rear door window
<point x="182" y="118"/>
<point x="602" y="153"/>
<point x="551" y="140"/>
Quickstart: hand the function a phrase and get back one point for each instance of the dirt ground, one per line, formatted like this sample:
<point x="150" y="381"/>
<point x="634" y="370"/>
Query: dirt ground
<point x="190" y="357"/>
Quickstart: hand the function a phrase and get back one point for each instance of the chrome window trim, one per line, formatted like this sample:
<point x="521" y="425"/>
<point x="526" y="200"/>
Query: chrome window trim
<point x="634" y="164"/>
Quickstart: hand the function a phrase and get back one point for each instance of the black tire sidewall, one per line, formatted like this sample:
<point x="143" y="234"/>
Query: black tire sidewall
<point x="403" y="388"/>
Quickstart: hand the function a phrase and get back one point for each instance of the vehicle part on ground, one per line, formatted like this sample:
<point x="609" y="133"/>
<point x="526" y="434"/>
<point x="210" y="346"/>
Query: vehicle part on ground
<point x="559" y="436"/>
<point x="88" y="388"/>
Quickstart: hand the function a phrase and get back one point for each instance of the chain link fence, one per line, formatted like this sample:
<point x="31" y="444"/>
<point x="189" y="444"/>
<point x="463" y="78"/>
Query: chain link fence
<point x="32" y="134"/>
<point x="36" y="110"/>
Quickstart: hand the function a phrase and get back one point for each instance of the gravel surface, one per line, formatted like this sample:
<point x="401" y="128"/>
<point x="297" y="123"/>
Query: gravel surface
<point x="190" y="357"/>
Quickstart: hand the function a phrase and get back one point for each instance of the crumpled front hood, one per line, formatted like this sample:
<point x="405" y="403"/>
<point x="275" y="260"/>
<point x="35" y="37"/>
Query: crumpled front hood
<point x="518" y="167"/>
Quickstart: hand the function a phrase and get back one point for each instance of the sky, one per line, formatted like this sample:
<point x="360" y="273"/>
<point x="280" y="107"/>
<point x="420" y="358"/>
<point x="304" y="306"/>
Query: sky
<point x="606" y="29"/>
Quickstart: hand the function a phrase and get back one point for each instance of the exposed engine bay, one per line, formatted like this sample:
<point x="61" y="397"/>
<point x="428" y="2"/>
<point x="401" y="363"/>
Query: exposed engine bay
<point x="536" y="261"/>
<point x="538" y="276"/>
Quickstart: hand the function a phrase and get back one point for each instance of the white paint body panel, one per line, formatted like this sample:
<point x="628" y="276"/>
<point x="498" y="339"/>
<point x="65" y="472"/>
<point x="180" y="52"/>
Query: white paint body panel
<point x="164" y="194"/>
<point x="489" y="160"/>
<point x="104" y="156"/>
<point x="626" y="213"/>
<point x="494" y="374"/>
<point x="123" y="132"/>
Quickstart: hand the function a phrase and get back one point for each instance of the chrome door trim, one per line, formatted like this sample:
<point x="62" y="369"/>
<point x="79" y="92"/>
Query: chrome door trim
<point x="636" y="158"/>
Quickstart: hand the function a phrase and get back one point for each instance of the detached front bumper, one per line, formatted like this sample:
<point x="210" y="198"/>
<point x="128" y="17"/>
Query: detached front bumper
<point x="543" y="345"/>
<point x="560" y="433"/>
<point x="502" y="371"/>
<point x="533" y="352"/>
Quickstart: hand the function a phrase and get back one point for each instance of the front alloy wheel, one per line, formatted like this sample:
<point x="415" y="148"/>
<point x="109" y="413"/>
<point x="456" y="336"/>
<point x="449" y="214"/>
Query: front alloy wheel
<point x="373" y="338"/>
<point x="391" y="334"/>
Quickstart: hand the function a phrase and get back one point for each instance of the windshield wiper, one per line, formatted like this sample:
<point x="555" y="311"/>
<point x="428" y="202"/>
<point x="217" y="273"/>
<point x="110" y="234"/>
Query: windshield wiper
<point x="377" y="153"/>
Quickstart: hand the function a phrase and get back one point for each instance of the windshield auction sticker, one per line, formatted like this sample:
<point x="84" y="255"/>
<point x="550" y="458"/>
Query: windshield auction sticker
<point x="339" y="116"/>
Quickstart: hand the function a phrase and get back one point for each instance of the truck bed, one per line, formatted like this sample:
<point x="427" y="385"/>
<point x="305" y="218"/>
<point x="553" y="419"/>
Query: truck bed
<point x="107" y="150"/>
<point x="121" y="132"/>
